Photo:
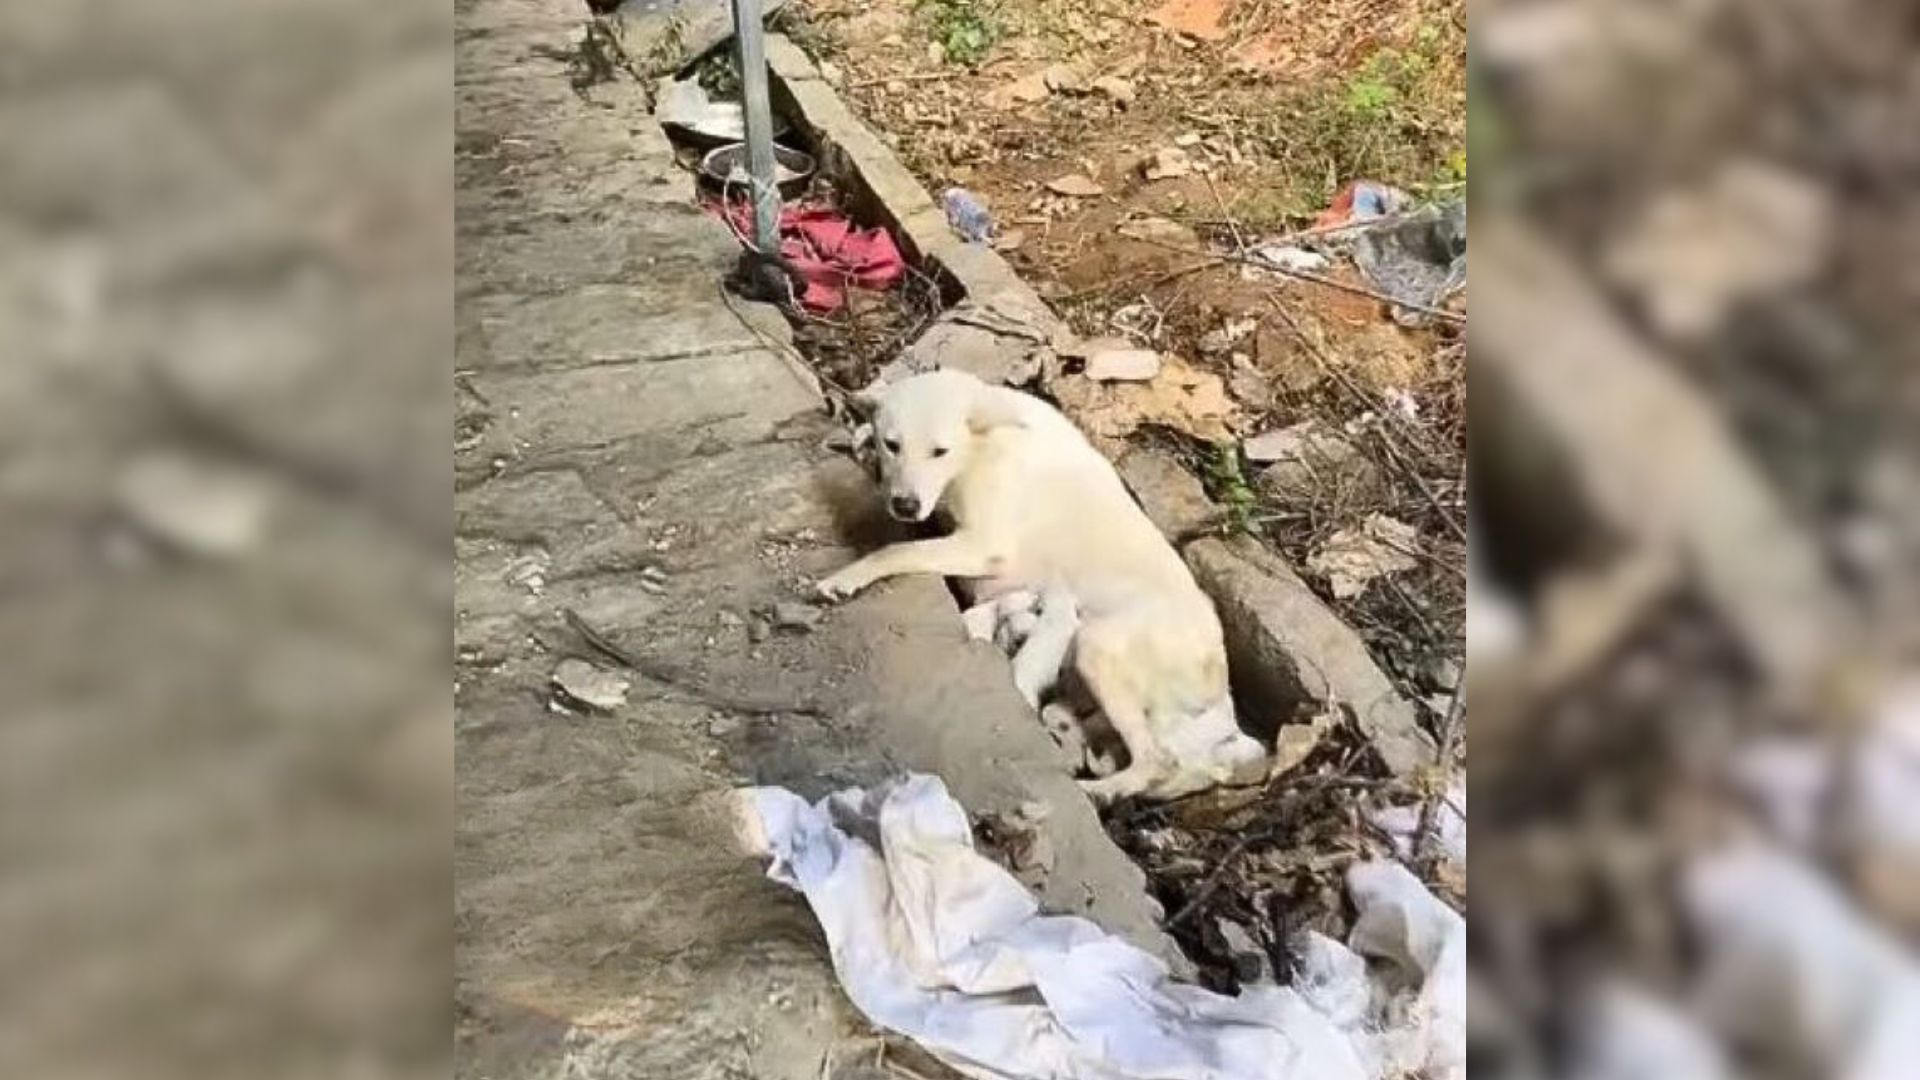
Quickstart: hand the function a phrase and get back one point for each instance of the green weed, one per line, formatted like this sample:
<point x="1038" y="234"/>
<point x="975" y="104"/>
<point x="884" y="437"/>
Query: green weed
<point x="966" y="30"/>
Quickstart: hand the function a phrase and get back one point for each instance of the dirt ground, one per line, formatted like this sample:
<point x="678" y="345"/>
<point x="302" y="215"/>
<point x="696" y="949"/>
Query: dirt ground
<point x="1122" y="149"/>
<point x="1273" y="107"/>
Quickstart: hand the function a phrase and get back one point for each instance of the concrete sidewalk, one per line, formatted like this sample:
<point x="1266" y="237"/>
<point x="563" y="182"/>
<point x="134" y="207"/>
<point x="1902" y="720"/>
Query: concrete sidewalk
<point x="631" y="450"/>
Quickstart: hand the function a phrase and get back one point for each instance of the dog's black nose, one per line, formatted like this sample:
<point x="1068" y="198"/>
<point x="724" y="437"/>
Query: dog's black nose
<point x="905" y="507"/>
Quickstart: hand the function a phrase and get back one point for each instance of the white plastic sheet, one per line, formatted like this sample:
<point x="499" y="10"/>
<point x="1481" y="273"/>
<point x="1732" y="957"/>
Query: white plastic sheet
<point x="935" y="941"/>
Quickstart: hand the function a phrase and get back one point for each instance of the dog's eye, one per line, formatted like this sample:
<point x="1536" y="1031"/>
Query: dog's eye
<point x="892" y="445"/>
<point x="939" y="451"/>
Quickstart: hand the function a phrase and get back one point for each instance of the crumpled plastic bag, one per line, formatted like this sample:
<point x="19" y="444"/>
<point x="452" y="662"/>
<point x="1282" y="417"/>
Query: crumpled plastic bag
<point x="935" y="941"/>
<point x="1421" y="258"/>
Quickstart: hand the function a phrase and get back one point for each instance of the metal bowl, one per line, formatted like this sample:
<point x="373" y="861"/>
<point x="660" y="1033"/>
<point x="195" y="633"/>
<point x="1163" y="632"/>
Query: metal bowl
<point x="725" y="167"/>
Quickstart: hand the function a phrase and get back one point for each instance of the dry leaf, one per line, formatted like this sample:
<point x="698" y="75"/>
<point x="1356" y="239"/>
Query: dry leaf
<point x="1351" y="558"/>
<point x="1294" y="742"/>
<point x="1179" y="397"/>
<point x="1076" y="186"/>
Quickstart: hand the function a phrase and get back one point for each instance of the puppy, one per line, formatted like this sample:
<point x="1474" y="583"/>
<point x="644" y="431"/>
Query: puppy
<point x="1037" y="508"/>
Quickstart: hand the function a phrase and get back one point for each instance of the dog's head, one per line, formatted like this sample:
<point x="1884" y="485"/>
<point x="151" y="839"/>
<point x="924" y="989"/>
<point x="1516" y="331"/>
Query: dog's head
<point x="926" y="431"/>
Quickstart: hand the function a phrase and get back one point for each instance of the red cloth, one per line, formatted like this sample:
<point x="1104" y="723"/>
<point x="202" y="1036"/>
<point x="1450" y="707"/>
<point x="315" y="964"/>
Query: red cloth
<point x="827" y="251"/>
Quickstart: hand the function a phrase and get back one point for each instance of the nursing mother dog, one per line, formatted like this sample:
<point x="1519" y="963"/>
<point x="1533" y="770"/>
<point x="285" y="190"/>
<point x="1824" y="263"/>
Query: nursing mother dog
<point x="1036" y="508"/>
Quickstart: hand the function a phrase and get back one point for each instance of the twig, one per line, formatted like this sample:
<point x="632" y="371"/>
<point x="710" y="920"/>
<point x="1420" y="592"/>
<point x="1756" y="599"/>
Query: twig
<point x="1211" y="883"/>
<point x="1449" y="741"/>
<point x="917" y="76"/>
<point x="1386" y="413"/>
<point x="1317" y="279"/>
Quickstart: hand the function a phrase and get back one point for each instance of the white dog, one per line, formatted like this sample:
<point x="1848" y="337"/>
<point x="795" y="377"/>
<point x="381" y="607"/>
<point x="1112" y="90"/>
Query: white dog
<point x="1037" y="508"/>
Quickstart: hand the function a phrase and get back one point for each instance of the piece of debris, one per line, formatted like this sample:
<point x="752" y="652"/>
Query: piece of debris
<point x="1076" y="186"/>
<point x="1221" y="339"/>
<point x="1401" y="824"/>
<point x="969" y="216"/>
<point x="826" y="250"/>
<point x="195" y="507"/>
<point x="1123" y="365"/>
<point x="1361" y="200"/>
<point x="1294" y="743"/>
<point x="1287" y="257"/>
<point x="1187" y="140"/>
<point x="1351" y="558"/>
<point x="1203" y="20"/>
<point x="591" y="686"/>
<point x="528" y="572"/>
<point x="1169" y="164"/>
<point x="1420" y="259"/>
<point x="1011" y="240"/>
<point x="796" y="617"/>
<point x="1119" y="90"/>
<point x="683" y="105"/>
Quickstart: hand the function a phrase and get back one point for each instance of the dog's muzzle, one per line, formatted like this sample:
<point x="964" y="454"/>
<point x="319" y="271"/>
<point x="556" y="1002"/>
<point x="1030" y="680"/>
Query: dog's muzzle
<point x="904" y="507"/>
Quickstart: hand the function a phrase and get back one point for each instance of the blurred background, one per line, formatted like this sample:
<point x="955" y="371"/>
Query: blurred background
<point x="225" y="502"/>
<point x="1694" y="685"/>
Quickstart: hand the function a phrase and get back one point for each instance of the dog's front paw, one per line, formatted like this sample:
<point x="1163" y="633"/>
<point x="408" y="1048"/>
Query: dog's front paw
<point x="839" y="587"/>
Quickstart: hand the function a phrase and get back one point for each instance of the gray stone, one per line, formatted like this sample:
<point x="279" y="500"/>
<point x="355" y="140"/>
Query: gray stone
<point x="1251" y="964"/>
<point x="1290" y="653"/>
<point x="197" y="507"/>
<point x="797" y="617"/>
<point x="1171" y="495"/>
<point x="591" y="686"/>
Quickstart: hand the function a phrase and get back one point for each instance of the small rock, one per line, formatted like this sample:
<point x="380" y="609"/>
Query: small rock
<point x="1296" y="259"/>
<point x="723" y="725"/>
<point x="1250" y="962"/>
<point x="1169" y="164"/>
<point x="1076" y="186"/>
<point x="1119" y="90"/>
<point x="1064" y="79"/>
<point x="1172" y="497"/>
<point x="195" y="507"/>
<point x="1160" y="230"/>
<point x="1029" y="89"/>
<point x="1123" y="365"/>
<point x="797" y="617"/>
<point x="1188" y="140"/>
<point x="591" y="686"/>
<point x="757" y="630"/>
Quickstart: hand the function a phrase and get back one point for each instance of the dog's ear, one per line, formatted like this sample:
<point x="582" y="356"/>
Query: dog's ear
<point x="995" y="407"/>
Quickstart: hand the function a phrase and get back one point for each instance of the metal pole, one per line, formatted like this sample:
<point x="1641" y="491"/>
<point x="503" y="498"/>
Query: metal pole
<point x="752" y="53"/>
